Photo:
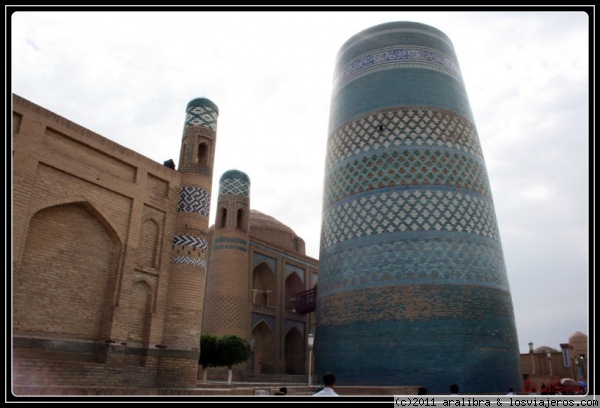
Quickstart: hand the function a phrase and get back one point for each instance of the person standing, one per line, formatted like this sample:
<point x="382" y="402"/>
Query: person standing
<point x="329" y="385"/>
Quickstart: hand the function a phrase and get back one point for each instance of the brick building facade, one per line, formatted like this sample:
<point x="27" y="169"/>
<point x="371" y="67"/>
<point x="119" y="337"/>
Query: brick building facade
<point x="257" y="266"/>
<point x="111" y="254"/>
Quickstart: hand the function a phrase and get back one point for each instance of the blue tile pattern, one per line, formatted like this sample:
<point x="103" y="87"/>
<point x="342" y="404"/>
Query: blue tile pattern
<point x="395" y="58"/>
<point x="289" y="269"/>
<point x="476" y="353"/>
<point x="294" y="324"/>
<point x="230" y="243"/>
<point x="412" y="278"/>
<point x="396" y="210"/>
<point x="201" y="116"/>
<point x="194" y="200"/>
<point x="412" y="259"/>
<point x="258" y="258"/>
<point x="258" y="317"/>
<point x="234" y="186"/>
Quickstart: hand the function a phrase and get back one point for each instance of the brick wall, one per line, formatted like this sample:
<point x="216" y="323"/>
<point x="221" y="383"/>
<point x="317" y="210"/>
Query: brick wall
<point x="93" y="227"/>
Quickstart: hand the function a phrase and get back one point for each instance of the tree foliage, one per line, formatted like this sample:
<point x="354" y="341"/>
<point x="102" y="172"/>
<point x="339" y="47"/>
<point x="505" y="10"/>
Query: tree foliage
<point x="226" y="350"/>
<point x="233" y="350"/>
<point x="208" y="350"/>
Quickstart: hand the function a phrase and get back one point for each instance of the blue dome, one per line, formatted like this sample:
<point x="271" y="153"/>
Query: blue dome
<point x="203" y="102"/>
<point x="235" y="175"/>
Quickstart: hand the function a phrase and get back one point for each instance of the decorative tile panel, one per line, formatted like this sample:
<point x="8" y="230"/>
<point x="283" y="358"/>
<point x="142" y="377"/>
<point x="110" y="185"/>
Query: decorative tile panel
<point x="258" y="317"/>
<point x="193" y="242"/>
<point x="230" y="243"/>
<point x="402" y="167"/>
<point x="293" y="324"/>
<point x="395" y="58"/>
<point x="201" y="116"/>
<point x="289" y="269"/>
<point x="391" y="210"/>
<point x="188" y="260"/>
<point x="258" y="258"/>
<point x="401" y="128"/>
<point x="234" y="186"/>
<point x="413" y="259"/>
<point x="194" y="199"/>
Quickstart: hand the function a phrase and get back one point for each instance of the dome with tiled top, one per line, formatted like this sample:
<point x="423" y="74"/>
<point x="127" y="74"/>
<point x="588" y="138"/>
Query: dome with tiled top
<point x="203" y="102"/>
<point x="235" y="174"/>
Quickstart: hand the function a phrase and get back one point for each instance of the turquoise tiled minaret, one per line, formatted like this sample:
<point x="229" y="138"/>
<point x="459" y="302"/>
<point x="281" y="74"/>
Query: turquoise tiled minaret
<point x="413" y="287"/>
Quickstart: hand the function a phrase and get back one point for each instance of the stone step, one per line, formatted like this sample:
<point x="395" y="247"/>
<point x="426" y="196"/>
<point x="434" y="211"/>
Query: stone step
<point x="277" y="378"/>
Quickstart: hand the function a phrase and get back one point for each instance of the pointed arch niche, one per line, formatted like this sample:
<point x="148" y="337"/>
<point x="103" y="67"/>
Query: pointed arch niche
<point x="293" y="285"/>
<point x="222" y="216"/>
<point x="204" y="154"/>
<point x="241" y="218"/>
<point x="264" y="359"/>
<point x="139" y="325"/>
<point x="263" y="285"/>
<point x="66" y="283"/>
<point x="295" y="352"/>
<point x="149" y="249"/>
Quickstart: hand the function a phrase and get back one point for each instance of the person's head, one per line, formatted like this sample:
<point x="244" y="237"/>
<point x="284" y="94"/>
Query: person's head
<point x="454" y="389"/>
<point x="328" y="379"/>
<point x="422" y="391"/>
<point x="511" y="390"/>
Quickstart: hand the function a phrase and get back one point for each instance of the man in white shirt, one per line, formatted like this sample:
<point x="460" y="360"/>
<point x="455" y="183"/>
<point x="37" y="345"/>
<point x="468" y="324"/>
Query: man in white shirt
<point x="329" y="385"/>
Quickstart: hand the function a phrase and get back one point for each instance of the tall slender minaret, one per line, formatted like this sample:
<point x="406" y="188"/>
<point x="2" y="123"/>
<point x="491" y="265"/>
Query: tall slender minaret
<point x="183" y="317"/>
<point x="227" y="284"/>
<point x="413" y="287"/>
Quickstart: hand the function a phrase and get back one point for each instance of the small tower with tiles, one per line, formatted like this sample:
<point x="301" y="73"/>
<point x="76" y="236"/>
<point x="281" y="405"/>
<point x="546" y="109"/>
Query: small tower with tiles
<point x="178" y="365"/>
<point x="227" y="285"/>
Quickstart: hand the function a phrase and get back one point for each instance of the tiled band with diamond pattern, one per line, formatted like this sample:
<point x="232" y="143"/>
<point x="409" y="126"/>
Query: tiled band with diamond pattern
<point x="234" y="186"/>
<point x="201" y="116"/>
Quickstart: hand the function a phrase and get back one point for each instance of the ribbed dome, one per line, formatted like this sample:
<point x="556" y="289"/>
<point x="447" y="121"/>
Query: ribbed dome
<point x="264" y="221"/>
<point x="543" y="349"/>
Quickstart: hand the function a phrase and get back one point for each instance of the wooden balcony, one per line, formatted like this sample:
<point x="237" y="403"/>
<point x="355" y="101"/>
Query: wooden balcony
<point x="306" y="301"/>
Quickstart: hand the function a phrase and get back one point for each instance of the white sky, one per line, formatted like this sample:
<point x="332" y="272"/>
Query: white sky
<point x="129" y="76"/>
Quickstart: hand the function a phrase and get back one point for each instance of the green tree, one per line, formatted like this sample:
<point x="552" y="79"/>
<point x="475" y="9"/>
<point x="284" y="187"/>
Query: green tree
<point x="232" y="349"/>
<point x="209" y="353"/>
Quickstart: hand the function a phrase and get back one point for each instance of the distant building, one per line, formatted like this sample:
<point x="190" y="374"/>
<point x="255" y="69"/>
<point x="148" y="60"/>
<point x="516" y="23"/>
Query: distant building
<point x="548" y="365"/>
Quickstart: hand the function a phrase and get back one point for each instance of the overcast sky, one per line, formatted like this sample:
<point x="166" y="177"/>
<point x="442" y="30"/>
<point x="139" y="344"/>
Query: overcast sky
<point x="128" y="76"/>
